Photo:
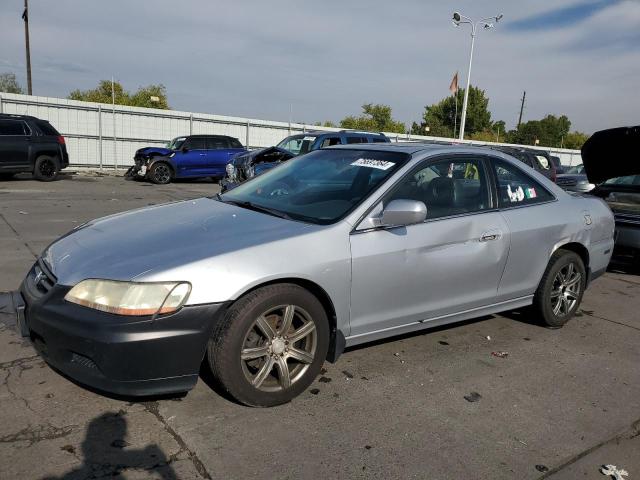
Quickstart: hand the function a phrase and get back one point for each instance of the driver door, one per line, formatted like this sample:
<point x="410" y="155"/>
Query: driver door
<point x="451" y="262"/>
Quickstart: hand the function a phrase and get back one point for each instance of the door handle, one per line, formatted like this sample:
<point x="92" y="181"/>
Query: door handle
<point x="491" y="235"/>
<point x="202" y="154"/>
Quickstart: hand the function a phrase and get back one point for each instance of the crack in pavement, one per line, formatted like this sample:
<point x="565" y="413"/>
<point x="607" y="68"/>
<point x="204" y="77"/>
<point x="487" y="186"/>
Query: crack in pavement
<point x="38" y="433"/>
<point x="153" y="409"/>
<point x="19" y="236"/>
<point x="628" y="433"/>
<point x="590" y="314"/>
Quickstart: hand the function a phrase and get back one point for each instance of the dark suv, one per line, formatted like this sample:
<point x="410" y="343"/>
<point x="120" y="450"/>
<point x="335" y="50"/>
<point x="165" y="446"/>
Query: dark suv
<point x="537" y="159"/>
<point x="28" y="144"/>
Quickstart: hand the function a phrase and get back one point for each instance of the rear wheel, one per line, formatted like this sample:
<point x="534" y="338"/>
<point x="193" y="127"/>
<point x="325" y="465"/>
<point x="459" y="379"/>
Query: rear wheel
<point x="46" y="168"/>
<point x="270" y="346"/>
<point x="160" y="173"/>
<point x="560" y="291"/>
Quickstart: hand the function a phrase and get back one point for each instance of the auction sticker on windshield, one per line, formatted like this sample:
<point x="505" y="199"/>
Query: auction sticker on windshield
<point x="372" y="163"/>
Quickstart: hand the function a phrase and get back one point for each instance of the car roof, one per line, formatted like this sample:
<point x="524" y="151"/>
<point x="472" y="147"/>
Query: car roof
<point x="409" y="147"/>
<point x="202" y="135"/>
<point x="8" y="116"/>
<point x="317" y="133"/>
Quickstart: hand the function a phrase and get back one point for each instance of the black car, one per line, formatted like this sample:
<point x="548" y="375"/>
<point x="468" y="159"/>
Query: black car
<point x="537" y="159"/>
<point x="29" y="144"/>
<point x="611" y="161"/>
<point x="247" y="165"/>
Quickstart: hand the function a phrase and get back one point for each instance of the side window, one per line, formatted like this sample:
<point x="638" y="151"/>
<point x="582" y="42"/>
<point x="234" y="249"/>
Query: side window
<point x="543" y="161"/>
<point x="235" y="143"/>
<point x="356" y="140"/>
<point x="195" y="143"/>
<point x="216" y="143"/>
<point x="516" y="188"/>
<point x="327" y="142"/>
<point x="447" y="187"/>
<point x="13" y="127"/>
<point x="379" y="140"/>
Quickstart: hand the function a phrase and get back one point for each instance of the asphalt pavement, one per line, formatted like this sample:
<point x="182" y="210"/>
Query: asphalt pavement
<point x="433" y="405"/>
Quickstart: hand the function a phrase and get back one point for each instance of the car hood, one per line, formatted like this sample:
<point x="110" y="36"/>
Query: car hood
<point x="144" y="243"/>
<point x="248" y="157"/>
<point x="156" y="150"/>
<point x="612" y="153"/>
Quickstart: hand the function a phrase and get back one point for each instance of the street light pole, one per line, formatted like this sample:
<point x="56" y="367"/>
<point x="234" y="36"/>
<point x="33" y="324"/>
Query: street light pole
<point x="457" y="20"/>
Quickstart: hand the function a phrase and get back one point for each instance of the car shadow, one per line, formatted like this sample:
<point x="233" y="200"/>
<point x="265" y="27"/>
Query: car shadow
<point x="105" y="452"/>
<point x="624" y="264"/>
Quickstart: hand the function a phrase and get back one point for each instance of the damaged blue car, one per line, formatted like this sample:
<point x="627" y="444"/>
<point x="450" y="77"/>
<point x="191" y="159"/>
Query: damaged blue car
<point x="193" y="156"/>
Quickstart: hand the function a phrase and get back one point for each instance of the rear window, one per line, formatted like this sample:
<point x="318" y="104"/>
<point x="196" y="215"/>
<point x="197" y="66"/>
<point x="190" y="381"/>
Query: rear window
<point x="46" y="128"/>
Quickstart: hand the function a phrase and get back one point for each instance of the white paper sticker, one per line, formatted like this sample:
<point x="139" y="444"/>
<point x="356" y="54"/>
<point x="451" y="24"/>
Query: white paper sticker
<point x="308" y="139"/>
<point x="371" y="163"/>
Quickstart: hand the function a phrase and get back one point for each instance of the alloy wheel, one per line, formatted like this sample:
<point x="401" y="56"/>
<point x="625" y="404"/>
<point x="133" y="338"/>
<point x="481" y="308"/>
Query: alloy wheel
<point x="162" y="174"/>
<point x="47" y="168"/>
<point x="565" y="290"/>
<point x="279" y="348"/>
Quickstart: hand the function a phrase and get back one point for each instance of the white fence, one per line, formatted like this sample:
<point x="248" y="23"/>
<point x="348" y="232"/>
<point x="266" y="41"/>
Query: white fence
<point x="98" y="134"/>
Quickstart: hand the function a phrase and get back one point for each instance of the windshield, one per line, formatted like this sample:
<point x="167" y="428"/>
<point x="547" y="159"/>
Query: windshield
<point x="176" y="143"/>
<point x="576" y="169"/>
<point x="297" y="144"/>
<point x="628" y="180"/>
<point x="320" y="187"/>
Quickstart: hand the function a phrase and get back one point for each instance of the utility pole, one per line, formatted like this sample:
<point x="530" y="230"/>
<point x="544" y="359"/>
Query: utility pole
<point x="521" y="110"/>
<point x="25" y="17"/>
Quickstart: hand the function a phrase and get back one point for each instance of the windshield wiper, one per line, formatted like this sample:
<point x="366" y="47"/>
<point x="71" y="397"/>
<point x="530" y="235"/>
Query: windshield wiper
<point x="257" y="208"/>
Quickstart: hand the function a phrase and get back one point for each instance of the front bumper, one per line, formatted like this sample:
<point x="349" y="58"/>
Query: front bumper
<point x="123" y="355"/>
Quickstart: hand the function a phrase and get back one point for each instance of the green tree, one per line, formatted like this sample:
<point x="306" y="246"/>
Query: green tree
<point x="143" y="97"/>
<point x="375" y="118"/>
<point x="441" y="117"/>
<point x="549" y="131"/>
<point x="9" y="84"/>
<point x="575" y="140"/>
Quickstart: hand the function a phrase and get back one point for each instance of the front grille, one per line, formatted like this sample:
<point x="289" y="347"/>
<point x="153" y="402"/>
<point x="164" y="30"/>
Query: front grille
<point x="627" y="218"/>
<point x="40" y="280"/>
<point x="83" y="361"/>
<point x="566" y="182"/>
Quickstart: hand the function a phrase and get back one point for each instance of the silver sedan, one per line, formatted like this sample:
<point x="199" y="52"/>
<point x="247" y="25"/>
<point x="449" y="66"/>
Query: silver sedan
<point x="335" y="248"/>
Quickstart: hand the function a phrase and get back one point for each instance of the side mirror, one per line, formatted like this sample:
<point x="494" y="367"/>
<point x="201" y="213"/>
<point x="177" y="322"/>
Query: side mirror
<point x="399" y="213"/>
<point x="184" y="149"/>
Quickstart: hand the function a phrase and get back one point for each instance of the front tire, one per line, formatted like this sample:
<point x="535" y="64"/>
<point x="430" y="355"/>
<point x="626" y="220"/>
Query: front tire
<point x="270" y="345"/>
<point x="560" y="291"/>
<point x="161" y="173"/>
<point x="46" y="168"/>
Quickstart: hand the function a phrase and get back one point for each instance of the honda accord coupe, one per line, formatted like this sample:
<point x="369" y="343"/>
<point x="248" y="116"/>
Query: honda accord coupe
<point x="335" y="248"/>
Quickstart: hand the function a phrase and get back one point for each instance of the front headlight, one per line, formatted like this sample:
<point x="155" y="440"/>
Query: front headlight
<point x="130" y="298"/>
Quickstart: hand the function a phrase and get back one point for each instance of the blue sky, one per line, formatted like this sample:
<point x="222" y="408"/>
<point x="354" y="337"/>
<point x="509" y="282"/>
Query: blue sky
<point x="325" y="59"/>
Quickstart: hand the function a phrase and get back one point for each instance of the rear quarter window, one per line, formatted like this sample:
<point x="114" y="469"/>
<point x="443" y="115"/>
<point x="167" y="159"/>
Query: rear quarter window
<point x="46" y="128"/>
<point x="516" y="188"/>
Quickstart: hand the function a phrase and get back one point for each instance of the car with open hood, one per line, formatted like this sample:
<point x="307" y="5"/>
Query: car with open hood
<point x="247" y="165"/>
<point x="192" y="156"/>
<point x="612" y="161"/>
<point x="342" y="246"/>
<point x="574" y="179"/>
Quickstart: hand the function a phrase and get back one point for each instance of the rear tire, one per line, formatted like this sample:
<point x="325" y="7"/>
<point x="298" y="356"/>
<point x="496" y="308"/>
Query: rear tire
<point x="560" y="291"/>
<point x="46" y="168"/>
<point x="270" y="345"/>
<point x="161" y="173"/>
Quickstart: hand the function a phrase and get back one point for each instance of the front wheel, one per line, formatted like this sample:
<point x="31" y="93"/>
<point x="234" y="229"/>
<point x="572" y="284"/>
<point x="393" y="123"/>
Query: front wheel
<point x="270" y="345"/>
<point x="560" y="291"/>
<point x="160" y="173"/>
